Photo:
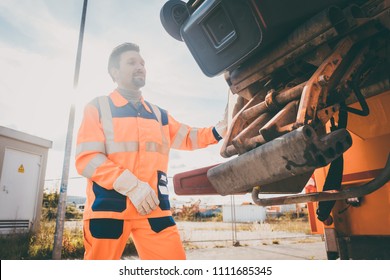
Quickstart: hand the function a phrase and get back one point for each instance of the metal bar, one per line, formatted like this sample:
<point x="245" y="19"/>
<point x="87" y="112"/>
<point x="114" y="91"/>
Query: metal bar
<point x="358" y="191"/>
<point x="245" y="140"/>
<point x="282" y="98"/>
<point x="315" y="91"/>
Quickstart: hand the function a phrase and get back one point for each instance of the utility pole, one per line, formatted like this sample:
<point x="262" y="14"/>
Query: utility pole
<point x="58" y="236"/>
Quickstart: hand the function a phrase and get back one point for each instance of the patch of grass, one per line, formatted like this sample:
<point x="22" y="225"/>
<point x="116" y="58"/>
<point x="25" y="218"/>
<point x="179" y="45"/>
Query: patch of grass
<point x="39" y="246"/>
<point x="190" y="246"/>
<point x="41" y="243"/>
<point x="14" y="246"/>
<point x="245" y="227"/>
<point x="288" y="224"/>
<point x="306" y="240"/>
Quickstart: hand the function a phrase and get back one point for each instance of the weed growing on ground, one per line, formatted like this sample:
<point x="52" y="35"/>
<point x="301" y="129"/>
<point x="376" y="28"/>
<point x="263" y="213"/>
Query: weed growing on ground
<point x="14" y="246"/>
<point x="289" y="224"/>
<point x="39" y="246"/>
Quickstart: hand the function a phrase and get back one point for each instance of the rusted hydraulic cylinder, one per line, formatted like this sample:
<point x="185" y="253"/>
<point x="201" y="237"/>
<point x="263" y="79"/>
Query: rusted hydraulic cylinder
<point x="294" y="153"/>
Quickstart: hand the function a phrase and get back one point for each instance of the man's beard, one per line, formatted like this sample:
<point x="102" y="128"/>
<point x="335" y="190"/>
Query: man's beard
<point x="138" y="82"/>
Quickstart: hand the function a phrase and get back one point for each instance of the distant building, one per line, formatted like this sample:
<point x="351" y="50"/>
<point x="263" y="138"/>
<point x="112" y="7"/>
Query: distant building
<point x="243" y="213"/>
<point x="77" y="201"/>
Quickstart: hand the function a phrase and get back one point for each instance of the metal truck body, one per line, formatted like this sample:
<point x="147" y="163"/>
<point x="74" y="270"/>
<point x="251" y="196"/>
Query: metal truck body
<point x="310" y="81"/>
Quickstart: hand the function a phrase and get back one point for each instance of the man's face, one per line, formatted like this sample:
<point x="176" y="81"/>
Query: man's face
<point x="131" y="72"/>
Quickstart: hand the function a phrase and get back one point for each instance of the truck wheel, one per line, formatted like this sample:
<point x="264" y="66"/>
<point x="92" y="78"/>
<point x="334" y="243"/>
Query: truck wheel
<point x="172" y="16"/>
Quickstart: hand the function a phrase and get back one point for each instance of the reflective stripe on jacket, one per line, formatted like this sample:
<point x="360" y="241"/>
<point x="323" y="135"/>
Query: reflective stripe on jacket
<point x="115" y="136"/>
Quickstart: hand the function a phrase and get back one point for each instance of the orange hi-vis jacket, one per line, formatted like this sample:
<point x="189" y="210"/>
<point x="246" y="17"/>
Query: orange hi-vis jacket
<point x="116" y="138"/>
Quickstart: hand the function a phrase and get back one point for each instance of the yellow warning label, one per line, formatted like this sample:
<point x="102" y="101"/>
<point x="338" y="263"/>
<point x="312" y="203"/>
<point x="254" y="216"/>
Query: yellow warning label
<point x="21" y="169"/>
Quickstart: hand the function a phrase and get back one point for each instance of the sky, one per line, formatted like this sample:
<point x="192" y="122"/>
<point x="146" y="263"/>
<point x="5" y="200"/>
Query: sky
<point x="38" y="46"/>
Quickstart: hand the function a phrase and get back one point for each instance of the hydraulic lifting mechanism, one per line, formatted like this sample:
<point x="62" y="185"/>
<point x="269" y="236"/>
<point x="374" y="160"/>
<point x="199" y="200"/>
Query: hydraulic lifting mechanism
<point x="294" y="95"/>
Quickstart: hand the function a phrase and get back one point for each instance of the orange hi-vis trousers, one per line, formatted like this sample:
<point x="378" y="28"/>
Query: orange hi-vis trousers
<point x="154" y="239"/>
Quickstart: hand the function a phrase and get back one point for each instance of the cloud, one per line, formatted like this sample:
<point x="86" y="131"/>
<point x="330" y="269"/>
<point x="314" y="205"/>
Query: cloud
<point x="33" y="26"/>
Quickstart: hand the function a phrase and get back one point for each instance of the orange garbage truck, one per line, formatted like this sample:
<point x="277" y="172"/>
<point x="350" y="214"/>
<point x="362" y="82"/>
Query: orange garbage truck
<point x="309" y="98"/>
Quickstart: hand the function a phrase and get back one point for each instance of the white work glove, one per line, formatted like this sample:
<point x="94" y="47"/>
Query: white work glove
<point x="144" y="198"/>
<point x="140" y="193"/>
<point x="221" y="126"/>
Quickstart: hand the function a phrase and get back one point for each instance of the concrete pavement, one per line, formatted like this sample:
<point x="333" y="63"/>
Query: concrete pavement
<point x="284" y="250"/>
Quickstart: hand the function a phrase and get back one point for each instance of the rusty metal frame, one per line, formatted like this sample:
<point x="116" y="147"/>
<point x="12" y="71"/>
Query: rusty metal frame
<point x="251" y="118"/>
<point x="315" y="92"/>
<point x="263" y="119"/>
<point x="358" y="191"/>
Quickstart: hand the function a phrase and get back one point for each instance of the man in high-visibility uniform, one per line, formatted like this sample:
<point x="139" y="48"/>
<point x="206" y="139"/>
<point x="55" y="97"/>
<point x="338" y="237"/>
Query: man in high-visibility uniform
<point x="122" y="149"/>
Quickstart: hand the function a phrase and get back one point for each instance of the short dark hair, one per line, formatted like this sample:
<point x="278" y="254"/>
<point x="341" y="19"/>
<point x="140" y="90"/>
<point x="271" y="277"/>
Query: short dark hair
<point x="113" y="60"/>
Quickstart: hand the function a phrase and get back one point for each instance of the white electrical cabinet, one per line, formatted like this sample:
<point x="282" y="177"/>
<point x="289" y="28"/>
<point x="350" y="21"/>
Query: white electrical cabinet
<point x="23" y="160"/>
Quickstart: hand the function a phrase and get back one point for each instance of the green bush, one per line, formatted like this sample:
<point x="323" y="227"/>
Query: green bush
<point x="72" y="213"/>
